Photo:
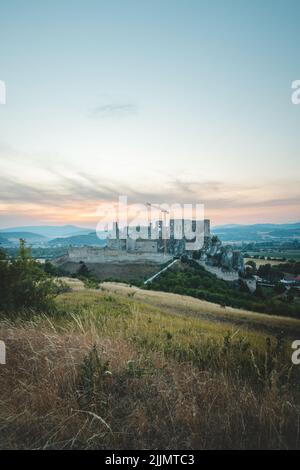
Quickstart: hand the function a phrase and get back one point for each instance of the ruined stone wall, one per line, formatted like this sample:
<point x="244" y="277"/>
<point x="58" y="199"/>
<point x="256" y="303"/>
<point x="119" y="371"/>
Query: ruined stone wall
<point x="116" y="244"/>
<point x="132" y="245"/>
<point x="146" y="246"/>
<point x="90" y="254"/>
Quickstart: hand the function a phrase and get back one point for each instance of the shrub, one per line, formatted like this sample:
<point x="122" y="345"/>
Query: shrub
<point x="91" y="283"/>
<point x="24" y="285"/>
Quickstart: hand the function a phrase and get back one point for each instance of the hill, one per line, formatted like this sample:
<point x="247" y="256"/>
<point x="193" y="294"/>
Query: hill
<point x="28" y="236"/>
<point x="5" y="242"/>
<point x="189" y="278"/>
<point x="187" y="306"/>
<point x="125" y="368"/>
<point x="89" y="239"/>
<point x="50" y="231"/>
<point x="256" y="232"/>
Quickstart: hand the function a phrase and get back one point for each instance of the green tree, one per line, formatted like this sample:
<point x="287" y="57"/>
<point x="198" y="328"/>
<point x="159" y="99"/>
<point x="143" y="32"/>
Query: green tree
<point x="251" y="263"/>
<point x="259" y="292"/>
<point x="83" y="271"/>
<point x="24" y="285"/>
<point x="279" y="288"/>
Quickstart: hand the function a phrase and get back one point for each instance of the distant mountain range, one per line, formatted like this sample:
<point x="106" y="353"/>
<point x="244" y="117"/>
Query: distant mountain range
<point x="49" y="231"/>
<point x="5" y="242"/>
<point x="27" y="235"/>
<point x="90" y="239"/>
<point x="10" y="239"/>
<point x="257" y="232"/>
<point x="71" y="235"/>
<point x="51" y="236"/>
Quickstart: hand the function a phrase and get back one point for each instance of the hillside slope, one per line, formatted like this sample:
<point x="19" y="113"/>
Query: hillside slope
<point x="124" y="368"/>
<point x="185" y="305"/>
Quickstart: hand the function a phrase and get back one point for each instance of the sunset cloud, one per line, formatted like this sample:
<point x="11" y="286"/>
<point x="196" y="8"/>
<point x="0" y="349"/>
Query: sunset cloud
<point x="76" y="198"/>
<point x="159" y="107"/>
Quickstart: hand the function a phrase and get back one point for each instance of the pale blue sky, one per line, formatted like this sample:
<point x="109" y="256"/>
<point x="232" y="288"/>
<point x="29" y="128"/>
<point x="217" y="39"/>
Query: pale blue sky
<point x="176" y="101"/>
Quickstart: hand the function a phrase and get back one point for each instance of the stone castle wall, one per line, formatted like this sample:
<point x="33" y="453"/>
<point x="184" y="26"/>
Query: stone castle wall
<point x="89" y="254"/>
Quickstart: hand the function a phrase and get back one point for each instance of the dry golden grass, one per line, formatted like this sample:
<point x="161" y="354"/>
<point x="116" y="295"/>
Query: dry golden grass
<point x="73" y="283"/>
<point x="262" y="262"/>
<point x="118" y="371"/>
<point x="185" y="305"/>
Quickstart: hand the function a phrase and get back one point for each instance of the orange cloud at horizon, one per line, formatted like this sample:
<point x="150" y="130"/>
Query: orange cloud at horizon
<point x="84" y="213"/>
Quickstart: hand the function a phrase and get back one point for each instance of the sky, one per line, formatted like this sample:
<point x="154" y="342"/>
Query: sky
<point x="162" y="101"/>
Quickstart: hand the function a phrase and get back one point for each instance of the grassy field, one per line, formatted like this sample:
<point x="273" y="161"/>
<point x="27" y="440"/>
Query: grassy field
<point x="188" y="306"/>
<point x="261" y="262"/>
<point x="288" y="254"/>
<point x="121" y="367"/>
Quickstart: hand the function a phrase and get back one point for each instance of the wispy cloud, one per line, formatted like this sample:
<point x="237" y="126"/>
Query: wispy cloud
<point x="113" y="110"/>
<point x="84" y="187"/>
<point x="70" y="194"/>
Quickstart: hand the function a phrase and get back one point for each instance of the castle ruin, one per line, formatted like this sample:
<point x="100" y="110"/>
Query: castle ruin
<point x="156" y="244"/>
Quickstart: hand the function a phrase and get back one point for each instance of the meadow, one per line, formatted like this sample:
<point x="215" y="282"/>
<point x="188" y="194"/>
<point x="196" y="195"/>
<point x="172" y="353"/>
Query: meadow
<point x="277" y="254"/>
<point x="125" y="368"/>
<point x="262" y="262"/>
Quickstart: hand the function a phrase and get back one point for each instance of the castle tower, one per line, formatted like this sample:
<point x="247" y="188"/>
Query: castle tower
<point x="206" y="227"/>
